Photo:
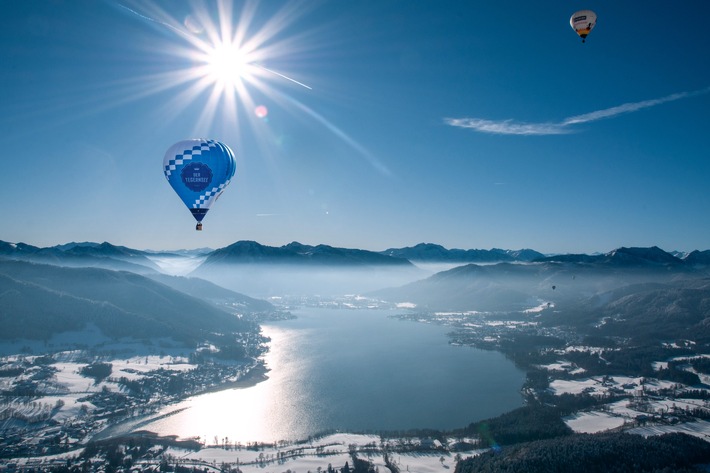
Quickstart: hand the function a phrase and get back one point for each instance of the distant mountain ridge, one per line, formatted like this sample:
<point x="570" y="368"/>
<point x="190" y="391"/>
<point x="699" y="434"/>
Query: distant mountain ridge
<point x="623" y="257"/>
<point x="252" y="252"/>
<point x="430" y="252"/>
<point x="87" y="254"/>
<point x="523" y="283"/>
<point x="106" y="255"/>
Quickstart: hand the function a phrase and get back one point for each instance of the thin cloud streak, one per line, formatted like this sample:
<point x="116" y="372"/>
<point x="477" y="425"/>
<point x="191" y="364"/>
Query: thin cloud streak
<point x="510" y="127"/>
<point x="507" y="127"/>
<point x="625" y="108"/>
<point x="178" y="30"/>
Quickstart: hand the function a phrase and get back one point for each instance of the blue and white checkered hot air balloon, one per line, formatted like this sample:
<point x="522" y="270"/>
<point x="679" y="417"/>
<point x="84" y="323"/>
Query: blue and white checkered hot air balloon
<point x="199" y="171"/>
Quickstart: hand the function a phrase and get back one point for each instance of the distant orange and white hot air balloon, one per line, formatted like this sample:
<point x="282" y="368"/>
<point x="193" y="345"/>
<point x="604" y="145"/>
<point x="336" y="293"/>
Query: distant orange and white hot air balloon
<point x="582" y="22"/>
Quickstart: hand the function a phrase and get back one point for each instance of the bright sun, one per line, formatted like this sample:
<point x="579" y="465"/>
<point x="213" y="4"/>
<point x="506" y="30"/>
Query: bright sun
<point x="225" y="56"/>
<point x="227" y="64"/>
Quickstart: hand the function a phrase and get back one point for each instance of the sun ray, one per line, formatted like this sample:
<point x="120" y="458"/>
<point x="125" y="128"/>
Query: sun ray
<point x="285" y="77"/>
<point x="229" y="61"/>
<point x="229" y="56"/>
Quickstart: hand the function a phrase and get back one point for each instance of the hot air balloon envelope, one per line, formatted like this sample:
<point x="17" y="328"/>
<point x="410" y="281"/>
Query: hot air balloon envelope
<point x="199" y="171"/>
<point x="582" y="22"/>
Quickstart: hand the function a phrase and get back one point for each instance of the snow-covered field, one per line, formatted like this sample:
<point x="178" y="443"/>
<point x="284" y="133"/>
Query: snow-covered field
<point x="699" y="429"/>
<point x="642" y="406"/>
<point x="600" y="386"/>
<point x="67" y="385"/>
<point x="333" y="450"/>
<point x="593" y="422"/>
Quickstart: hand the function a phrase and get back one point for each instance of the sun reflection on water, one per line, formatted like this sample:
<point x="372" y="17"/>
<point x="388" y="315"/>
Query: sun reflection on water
<point x="269" y="411"/>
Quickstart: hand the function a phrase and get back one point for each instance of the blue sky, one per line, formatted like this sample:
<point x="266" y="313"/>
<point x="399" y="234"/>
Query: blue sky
<point x="467" y="124"/>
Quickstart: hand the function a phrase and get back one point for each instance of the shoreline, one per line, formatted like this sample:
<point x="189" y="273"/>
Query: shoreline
<point x="132" y="425"/>
<point x="257" y="374"/>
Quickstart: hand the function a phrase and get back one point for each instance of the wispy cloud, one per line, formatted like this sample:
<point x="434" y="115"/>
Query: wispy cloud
<point x="508" y="127"/>
<point x="511" y="127"/>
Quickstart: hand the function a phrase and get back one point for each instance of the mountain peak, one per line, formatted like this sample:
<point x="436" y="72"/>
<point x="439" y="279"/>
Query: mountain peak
<point x="698" y="258"/>
<point x="636" y="255"/>
<point x="74" y="244"/>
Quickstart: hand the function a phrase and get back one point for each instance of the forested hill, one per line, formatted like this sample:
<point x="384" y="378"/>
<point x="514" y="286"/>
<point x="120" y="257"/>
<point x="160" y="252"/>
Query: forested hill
<point x="598" y="453"/>
<point x="38" y="301"/>
<point x="206" y="290"/>
<point x="644" y="313"/>
<point x="567" y="279"/>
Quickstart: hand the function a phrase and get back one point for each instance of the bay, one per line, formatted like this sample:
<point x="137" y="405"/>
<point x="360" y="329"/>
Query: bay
<point x="354" y="370"/>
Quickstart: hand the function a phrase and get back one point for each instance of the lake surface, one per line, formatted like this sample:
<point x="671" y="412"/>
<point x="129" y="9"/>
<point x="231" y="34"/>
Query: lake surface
<point x="352" y="370"/>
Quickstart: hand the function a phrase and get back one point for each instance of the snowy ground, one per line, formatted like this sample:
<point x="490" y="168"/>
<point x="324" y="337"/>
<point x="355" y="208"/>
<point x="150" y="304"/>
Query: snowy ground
<point x="645" y="404"/>
<point x="67" y="385"/>
<point x="598" y="386"/>
<point x="331" y="450"/>
<point x="593" y="422"/>
<point x="699" y="429"/>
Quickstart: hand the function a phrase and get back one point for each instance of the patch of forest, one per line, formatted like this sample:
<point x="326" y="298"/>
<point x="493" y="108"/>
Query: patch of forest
<point x="592" y="453"/>
<point x="527" y="423"/>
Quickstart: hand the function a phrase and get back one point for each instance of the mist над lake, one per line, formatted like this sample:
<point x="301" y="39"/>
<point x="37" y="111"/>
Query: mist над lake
<point x="353" y="370"/>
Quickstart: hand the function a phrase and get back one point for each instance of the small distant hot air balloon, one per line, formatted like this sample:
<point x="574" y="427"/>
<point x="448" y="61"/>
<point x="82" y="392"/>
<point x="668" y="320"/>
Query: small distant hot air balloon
<point x="582" y="22"/>
<point x="199" y="171"/>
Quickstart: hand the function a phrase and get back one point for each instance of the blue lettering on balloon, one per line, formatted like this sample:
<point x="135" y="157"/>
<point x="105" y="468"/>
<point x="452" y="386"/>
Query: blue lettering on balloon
<point x="196" y="176"/>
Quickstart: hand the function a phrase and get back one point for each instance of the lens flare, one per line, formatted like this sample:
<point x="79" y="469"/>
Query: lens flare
<point x="261" y="111"/>
<point x="193" y="25"/>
